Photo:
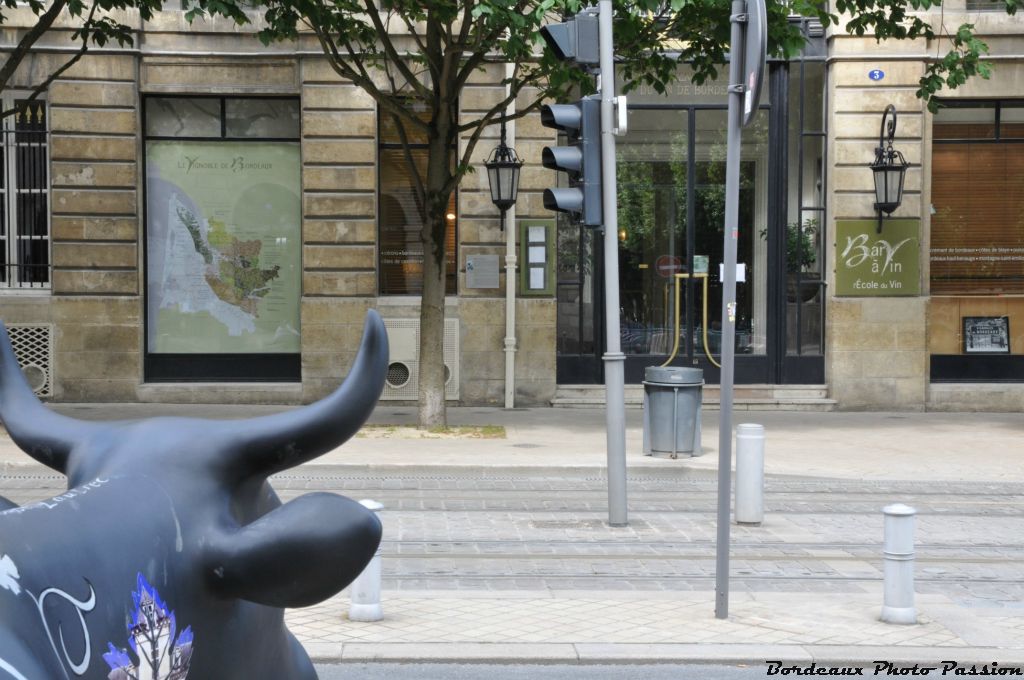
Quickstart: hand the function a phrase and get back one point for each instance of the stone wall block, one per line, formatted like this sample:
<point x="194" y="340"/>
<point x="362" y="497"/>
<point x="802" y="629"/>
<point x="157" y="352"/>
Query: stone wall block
<point x="353" y="178"/>
<point x="69" y="148"/>
<point x="480" y="99"/>
<point x="535" y="311"/>
<point x="862" y="205"/>
<point x="104" y="175"/>
<point x="94" y="228"/>
<point x="74" y="201"/>
<point x="339" y="257"/>
<point x="873" y="101"/>
<point x="92" y="94"/>
<point x="340" y="231"/>
<point x="219" y="75"/>
<point x="860" y="178"/>
<point x="361" y="123"/>
<point x="479" y="337"/>
<point x="94" y="255"/>
<point x="858" y="152"/>
<point x="905" y="73"/>
<point x="340" y="97"/>
<point x="339" y="283"/>
<point x="482" y="366"/>
<point x="95" y="282"/>
<point x="340" y="151"/>
<point x="97" y="121"/>
<point x="331" y="311"/>
<point x="97" y="364"/>
<point x="97" y="310"/>
<point x="98" y="390"/>
<point x="88" y="337"/>
<point x="338" y="205"/>
<point x="866" y="125"/>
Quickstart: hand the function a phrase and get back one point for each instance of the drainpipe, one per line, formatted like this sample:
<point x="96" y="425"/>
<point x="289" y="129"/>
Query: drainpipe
<point x="510" y="268"/>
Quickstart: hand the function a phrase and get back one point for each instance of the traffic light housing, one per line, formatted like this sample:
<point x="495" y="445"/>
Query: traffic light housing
<point x="575" y="39"/>
<point x="580" y="159"/>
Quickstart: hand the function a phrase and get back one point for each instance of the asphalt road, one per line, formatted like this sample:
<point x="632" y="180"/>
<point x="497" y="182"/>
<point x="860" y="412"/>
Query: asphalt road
<point x="389" y="671"/>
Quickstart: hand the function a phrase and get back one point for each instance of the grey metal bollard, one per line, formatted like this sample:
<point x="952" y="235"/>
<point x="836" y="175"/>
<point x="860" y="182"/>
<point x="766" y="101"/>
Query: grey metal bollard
<point x="898" y="553"/>
<point x="365" y="590"/>
<point x="749" y="473"/>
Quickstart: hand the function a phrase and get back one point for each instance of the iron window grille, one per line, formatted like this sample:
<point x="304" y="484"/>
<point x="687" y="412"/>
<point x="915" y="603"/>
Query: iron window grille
<point x="25" y="196"/>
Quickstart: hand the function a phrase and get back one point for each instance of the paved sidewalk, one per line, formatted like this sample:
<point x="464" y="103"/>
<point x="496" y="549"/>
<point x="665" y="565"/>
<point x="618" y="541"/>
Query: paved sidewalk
<point x="982" y="447"/>
<point x="638" y="626"/>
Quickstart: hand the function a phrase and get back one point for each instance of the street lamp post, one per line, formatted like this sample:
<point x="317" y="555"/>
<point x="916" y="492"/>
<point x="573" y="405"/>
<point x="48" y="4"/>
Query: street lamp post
<point x="503" y="168"/>
<point x="889" y="168"/>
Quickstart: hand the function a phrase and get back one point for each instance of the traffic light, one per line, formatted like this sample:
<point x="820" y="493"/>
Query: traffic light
<point x="575" y="39"/>
<point x="581" y="159"/>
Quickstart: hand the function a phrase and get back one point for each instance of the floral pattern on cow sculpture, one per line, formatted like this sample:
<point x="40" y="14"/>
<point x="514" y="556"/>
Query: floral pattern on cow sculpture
<point x="150" y="632"/>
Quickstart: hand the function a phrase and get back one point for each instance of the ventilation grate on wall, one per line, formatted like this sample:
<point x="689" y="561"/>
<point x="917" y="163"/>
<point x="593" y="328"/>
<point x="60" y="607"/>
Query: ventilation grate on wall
<point x="33" y="345"/>
<point x="404" y="368"/>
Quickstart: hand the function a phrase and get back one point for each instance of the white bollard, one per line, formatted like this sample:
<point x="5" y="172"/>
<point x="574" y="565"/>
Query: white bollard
<point x="365" y="590"/>
<point x="749" y="473"/>
<point x="898" y="553"/>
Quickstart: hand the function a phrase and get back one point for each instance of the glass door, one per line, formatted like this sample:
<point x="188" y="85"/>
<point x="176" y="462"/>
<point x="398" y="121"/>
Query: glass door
<point x="671" y="177"/>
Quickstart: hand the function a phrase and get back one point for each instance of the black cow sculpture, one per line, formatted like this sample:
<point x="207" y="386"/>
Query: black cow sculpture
<point x="170" y="557"/>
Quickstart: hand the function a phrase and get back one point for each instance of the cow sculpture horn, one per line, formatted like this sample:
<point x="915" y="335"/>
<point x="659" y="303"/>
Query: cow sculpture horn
<point x="269" y="444"/>
<point x="46" y="436"/>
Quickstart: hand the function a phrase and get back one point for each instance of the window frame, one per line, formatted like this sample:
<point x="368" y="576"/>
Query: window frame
<point x="168" y="367"/>
<point x="452" y="273"/>
<point x="9" y="190"/>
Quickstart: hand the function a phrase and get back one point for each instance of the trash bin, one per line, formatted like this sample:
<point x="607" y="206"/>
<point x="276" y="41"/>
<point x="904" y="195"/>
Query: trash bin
<point x="672" y="401"/>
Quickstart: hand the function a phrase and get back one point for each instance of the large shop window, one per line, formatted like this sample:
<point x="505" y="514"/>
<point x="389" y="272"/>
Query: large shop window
<point x="402" y="214"/>
<point x="977" y="242"/>
<point x="25" y="194"/>
<point x="223" y="239"/>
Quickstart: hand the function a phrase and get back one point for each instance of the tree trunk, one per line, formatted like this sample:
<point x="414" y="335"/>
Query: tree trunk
<point x="431" y="380"/>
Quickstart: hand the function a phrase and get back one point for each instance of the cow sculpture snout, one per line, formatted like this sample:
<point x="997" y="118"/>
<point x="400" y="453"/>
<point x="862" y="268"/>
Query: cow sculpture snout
<point x="170" y="557"/>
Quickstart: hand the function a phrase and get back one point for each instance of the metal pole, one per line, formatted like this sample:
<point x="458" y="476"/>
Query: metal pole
<point x="615" y="400"/>
<point x="898" y="599"/>
<point x="732" y="195"/>
<point x="510" y="269"/>
<point x="749" y="473"/>
<point x="365" y="590"/>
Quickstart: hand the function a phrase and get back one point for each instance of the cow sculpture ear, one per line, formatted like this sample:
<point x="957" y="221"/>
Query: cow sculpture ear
<point x="46" y="436"/>
<point x="297" y="555"/>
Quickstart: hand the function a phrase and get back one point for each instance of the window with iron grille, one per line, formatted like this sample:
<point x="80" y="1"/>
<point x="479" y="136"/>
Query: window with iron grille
<point x="986" y="6"/>
<point x="25" y="196"/>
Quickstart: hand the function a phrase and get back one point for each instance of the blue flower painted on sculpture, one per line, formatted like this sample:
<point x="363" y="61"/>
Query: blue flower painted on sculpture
<point x="151" y="630"/>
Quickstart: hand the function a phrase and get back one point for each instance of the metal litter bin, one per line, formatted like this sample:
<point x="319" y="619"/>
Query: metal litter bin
<point x="672" y="402"/>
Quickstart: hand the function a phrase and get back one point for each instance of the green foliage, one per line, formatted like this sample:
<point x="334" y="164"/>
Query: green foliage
<point x="801" y="248"/>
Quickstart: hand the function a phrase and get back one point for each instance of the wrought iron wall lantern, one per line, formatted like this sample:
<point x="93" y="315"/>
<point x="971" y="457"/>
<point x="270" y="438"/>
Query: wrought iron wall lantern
<point x="503" y="168"/>
<point x="889" y="168"/>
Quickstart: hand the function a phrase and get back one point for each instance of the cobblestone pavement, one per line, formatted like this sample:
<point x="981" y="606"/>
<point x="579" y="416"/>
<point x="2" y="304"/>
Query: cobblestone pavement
<point x="500" y="563"/>
<point x="513" y="559"/>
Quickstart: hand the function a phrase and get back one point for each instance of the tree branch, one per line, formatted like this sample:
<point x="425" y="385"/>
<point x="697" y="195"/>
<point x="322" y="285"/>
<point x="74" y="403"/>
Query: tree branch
<point x="390" y="51"/>
<point x="29" y="39"/>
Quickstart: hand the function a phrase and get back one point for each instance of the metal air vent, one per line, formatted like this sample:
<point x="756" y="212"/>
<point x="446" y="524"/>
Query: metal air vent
<point x="33" y="345"/>
<point x="403" y="372"/>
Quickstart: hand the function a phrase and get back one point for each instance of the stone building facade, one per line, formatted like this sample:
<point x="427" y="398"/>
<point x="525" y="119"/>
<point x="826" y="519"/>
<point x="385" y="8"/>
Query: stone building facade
<point x="866" y="351"/>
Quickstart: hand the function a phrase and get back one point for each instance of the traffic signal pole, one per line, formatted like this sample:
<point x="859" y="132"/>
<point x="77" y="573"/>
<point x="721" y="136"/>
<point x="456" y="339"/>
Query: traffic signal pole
<point x="614" y="359"/>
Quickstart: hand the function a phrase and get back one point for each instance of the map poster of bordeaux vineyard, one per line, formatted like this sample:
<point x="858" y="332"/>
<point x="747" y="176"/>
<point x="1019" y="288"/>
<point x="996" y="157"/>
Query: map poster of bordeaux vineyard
<point x="223" y="247"/>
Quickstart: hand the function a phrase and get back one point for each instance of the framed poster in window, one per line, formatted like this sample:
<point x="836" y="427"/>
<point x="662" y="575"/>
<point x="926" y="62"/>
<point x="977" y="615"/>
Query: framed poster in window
<point x="986" y="334"/>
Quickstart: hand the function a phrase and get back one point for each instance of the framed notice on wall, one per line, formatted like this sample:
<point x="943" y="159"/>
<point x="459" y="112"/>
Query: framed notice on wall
<point x="537" y="257"/>
<point x="986" y="334"/>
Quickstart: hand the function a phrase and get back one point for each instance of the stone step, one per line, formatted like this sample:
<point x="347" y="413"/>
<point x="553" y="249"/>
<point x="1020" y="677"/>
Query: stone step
<point x="745" y="397"/>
